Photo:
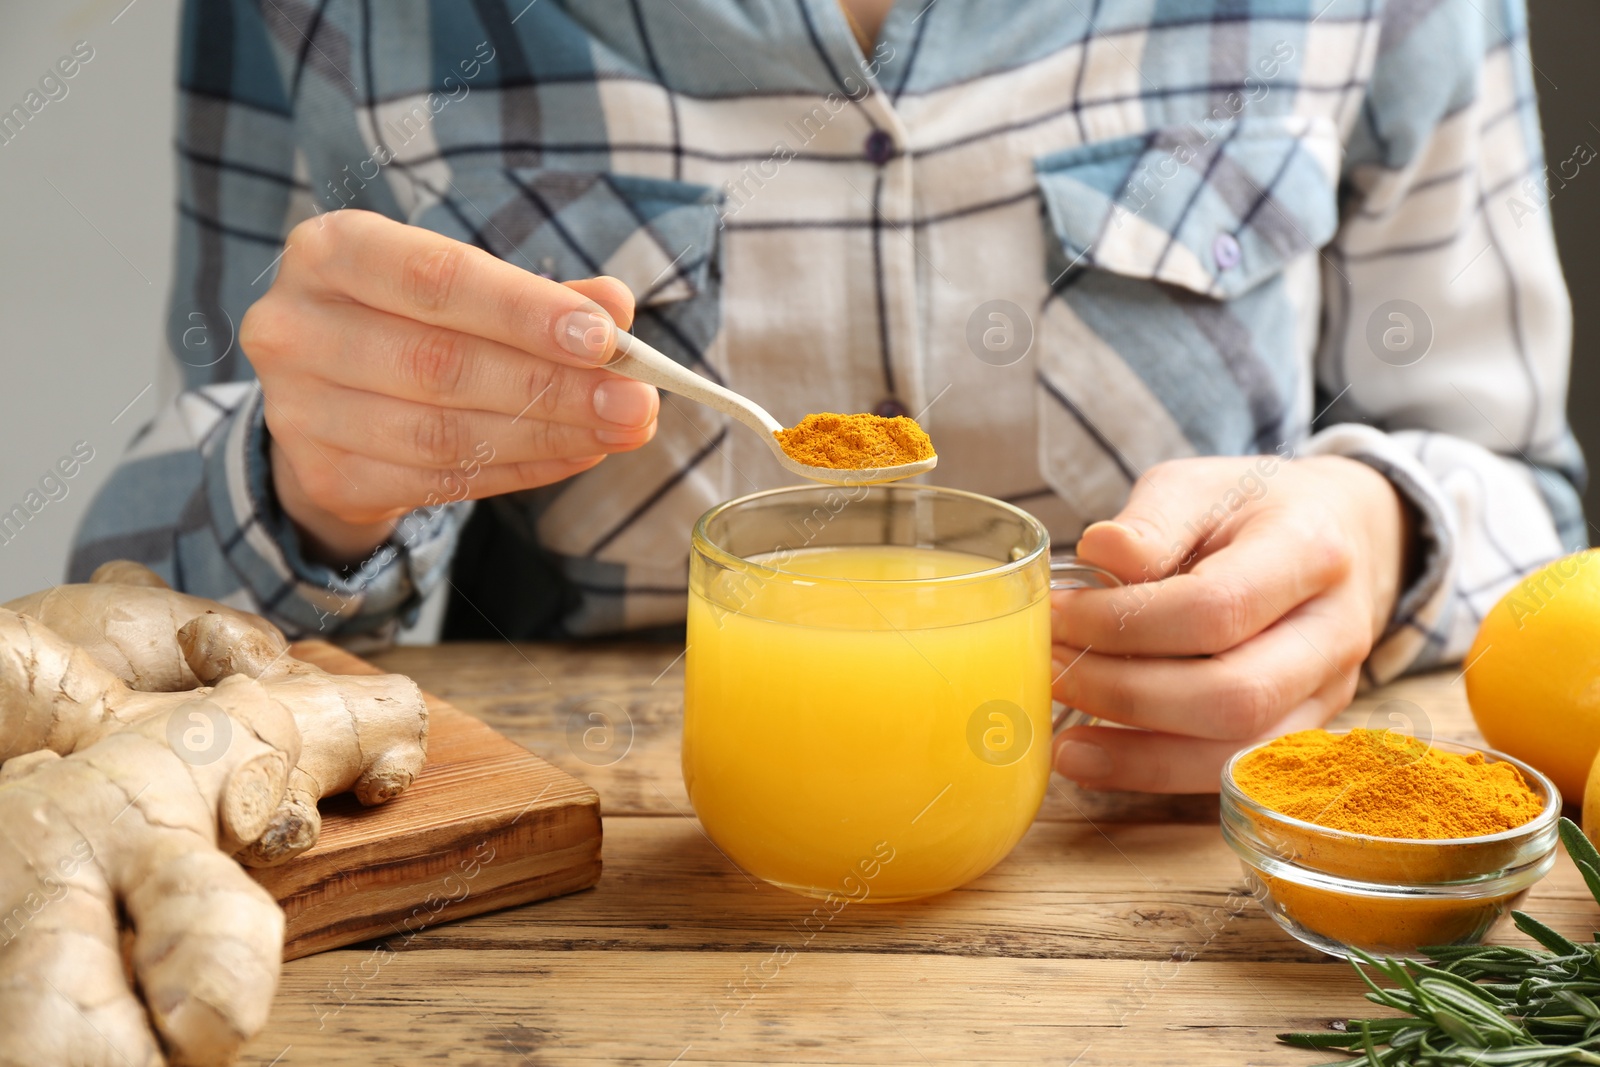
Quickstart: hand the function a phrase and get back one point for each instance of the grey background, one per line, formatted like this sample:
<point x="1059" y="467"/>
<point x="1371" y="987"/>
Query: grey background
<point x="1567" y="79"/>
<point x="86" y="196"/>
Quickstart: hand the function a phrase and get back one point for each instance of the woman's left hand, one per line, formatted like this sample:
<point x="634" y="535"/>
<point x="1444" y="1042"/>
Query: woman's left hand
<point x="1257" y="588"/>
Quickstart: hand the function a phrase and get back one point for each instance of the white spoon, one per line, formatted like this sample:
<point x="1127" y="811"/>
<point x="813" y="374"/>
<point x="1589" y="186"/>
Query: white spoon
<point x="637" y="360"/>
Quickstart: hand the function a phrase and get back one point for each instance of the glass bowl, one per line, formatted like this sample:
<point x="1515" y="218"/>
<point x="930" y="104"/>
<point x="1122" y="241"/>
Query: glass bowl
<point x="1339" y="891"/>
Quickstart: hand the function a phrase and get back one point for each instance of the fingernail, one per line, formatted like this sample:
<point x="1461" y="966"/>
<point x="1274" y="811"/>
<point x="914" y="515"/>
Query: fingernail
<point x="586" y="333"/>
<point x="1126" y="531"/>
<point x="624" y="402"/>
<point x="1083" y="762"/>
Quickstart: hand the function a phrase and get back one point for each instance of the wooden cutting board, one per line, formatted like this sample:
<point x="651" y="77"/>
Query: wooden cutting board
<point x="486" y="825"/>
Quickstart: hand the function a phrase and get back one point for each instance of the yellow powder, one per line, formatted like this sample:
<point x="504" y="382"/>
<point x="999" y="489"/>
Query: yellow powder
<point x="855" y="442"/>
<point x="1396" y="790"/>
<point x="1386" y="784"/>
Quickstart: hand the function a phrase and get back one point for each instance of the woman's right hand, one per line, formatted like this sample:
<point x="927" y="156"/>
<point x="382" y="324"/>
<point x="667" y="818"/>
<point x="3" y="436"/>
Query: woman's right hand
<point x="403" y="369"/>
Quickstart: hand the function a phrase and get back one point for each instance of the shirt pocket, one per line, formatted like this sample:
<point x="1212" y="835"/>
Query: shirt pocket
<point x="1184" y="297"/>
<point x="658" y="237"/>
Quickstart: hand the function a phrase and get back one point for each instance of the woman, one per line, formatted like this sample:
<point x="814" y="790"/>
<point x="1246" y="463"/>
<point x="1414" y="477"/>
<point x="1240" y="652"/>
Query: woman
<point x="1242" y="300"/>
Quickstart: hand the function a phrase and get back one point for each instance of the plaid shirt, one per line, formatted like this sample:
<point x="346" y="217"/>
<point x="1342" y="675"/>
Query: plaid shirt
<point x="1076" y="240"/>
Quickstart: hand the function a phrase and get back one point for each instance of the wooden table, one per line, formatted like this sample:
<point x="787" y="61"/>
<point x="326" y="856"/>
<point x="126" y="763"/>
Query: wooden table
<point x="1116" y="933"/>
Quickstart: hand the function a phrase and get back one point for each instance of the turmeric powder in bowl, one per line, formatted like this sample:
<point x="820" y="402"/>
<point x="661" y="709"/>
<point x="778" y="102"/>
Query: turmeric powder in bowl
<point x="1385" y="843"/>
<point x="855" y="442"/>
<point x="1386" y="784"/>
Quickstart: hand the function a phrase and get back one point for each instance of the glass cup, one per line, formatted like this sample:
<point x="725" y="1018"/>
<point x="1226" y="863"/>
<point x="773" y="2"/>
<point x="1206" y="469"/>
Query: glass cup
<point x="867" y="710"/>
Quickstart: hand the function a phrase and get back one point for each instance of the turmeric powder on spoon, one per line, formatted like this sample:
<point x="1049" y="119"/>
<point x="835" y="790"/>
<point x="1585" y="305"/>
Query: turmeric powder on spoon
<point x="855" y="442"/>
<point x="828" y="448"/>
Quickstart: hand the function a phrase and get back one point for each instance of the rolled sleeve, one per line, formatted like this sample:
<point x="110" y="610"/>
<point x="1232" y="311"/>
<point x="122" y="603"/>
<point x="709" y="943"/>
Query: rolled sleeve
<point x="261" y="545"/>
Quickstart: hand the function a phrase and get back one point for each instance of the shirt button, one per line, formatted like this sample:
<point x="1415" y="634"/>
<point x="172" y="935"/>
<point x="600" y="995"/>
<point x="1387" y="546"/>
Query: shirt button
<point x="890" y="408"/>
<point x="880" y="147"/>
<point x="1225" y="250"/>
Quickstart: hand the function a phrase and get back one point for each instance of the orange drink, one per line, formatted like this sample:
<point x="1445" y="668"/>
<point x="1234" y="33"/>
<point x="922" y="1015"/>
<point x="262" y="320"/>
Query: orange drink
<point x="867" y="700"/>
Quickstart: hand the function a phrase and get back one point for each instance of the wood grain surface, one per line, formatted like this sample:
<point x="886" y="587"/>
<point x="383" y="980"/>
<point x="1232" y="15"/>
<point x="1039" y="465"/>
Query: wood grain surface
<point x="1115" y="934"/>
<point x="486" y="825"/>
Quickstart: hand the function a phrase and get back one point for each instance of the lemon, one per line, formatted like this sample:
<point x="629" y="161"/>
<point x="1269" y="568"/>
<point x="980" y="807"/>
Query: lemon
<point x="1533" y="673"/>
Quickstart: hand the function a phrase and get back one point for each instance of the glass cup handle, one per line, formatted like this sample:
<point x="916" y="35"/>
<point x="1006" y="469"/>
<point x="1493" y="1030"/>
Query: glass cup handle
<point x="1069" y="572"/>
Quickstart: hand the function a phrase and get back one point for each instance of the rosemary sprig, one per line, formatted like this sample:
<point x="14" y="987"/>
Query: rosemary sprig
<point x="1483" y="1005"/>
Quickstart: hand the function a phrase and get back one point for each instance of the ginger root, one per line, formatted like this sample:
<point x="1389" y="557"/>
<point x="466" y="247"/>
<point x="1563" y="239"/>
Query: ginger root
<point x="54" y="698"/>
<point x="145" y="737"/>
<point x="127" y="620"/>
<point x="367" y="733"/>
<point x="363" y="732"/>
<point x="129" y="823"/>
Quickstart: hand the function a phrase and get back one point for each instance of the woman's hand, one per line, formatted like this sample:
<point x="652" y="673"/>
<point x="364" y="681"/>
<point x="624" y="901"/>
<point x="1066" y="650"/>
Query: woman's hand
<point x="403" y="369"/>
<point x="1263" y="584"/>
